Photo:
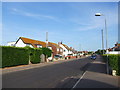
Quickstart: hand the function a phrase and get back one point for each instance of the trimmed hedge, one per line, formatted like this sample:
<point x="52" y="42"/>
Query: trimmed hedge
<point x="12" y="56"/>
<point x="35" y="55"/>
<point x="113" y="61"/>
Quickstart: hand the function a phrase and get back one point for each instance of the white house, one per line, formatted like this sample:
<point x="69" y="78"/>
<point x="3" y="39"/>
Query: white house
<point x="22" y="42"/>
<point x="66" y="49"/>
<point x="11" y="43"/>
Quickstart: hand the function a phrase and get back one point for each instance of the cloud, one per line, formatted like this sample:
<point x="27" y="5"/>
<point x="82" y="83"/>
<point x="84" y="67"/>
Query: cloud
<point x="37" y="16"/>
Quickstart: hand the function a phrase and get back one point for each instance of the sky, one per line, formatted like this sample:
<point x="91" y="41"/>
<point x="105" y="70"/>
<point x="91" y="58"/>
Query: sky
<point x="73" y="23"/>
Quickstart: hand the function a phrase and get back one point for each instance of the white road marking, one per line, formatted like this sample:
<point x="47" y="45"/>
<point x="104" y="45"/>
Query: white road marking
<point x="79" y="80"/>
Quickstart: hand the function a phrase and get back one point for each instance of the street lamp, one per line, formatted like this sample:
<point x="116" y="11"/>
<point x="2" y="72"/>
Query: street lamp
<point x="102" y="40"/>
<point x="99" y="14"/>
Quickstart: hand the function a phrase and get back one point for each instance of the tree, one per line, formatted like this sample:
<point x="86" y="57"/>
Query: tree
<point x="46" y="51"/>
<point x="90" y="52"/>
<point x="100" y="51"/>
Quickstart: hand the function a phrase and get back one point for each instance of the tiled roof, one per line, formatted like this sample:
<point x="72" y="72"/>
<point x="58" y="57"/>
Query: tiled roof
<point x="56" y="45"/>
<point x="34" y="43"/>
<point x="66" y="47"/>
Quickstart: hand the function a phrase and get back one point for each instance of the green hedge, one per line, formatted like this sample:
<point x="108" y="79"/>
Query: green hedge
<point x="47" y="52"/>
<point x="113" y="61"/>
<point x="12" y="56"/>
<point x="35" y="55"/>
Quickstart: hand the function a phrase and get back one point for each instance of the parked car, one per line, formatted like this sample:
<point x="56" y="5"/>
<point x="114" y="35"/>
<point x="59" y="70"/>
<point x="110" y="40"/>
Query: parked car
<point x="57" y="56"/>
<point x="69" y="56"/>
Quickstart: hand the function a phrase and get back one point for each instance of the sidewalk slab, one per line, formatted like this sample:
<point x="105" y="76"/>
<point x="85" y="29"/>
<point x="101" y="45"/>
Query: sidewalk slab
<point x="96" y="77"/>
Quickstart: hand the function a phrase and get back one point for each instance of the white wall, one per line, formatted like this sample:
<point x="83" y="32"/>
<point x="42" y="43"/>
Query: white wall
<point x="20" y="43"/>
<point x="70" y="52"/>
<point x="66" y="51"/>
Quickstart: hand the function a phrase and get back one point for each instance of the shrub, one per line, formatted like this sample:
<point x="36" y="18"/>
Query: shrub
<point x="119" y="64"/>
<point x="12" y="56"/>
<point x="113" y="62"/>
<point x="47" y="52"/>
<point x="100" y="52"/>
<point x="35" y="55"/>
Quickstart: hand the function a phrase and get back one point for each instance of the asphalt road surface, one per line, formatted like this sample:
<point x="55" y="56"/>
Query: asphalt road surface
<point x="60" y="75"/>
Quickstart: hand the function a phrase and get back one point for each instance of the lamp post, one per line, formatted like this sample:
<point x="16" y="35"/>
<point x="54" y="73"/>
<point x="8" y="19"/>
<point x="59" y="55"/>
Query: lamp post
<point x="102" y="40"/>
<point x="99" y="14"/>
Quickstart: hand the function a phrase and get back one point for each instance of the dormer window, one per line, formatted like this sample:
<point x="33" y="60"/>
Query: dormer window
<point x="39" y="46"/>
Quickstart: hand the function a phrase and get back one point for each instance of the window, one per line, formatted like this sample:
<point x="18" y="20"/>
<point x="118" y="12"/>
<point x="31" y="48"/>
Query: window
<point x="39" y="46"/>
<point x="64" y="50"/>
<point x="57" y="49"/>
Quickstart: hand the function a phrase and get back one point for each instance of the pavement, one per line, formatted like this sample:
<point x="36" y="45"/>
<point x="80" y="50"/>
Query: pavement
<point x="96" y="77"/>
<point x="31" y="66"/>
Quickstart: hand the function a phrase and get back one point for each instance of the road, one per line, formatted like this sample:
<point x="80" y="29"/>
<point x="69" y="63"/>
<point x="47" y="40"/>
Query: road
<point x="60" y="75"/>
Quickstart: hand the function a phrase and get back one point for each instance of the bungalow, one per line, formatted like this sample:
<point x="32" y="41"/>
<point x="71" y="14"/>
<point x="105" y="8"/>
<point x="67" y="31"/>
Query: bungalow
<point x="75" y="53"/>
<point x="115" y="49"/>
<point x="22" y="42"/>
<point x="66" y="49"/>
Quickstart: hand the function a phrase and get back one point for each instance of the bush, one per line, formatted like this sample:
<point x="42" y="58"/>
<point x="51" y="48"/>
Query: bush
<point x="100" y="52"/>
<point x="12" y="56"/>
<point x="35" y="55"/>
<point x="113" y="62"/>
<point x="119" y="65"/>
<point x="47" y="52"/>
